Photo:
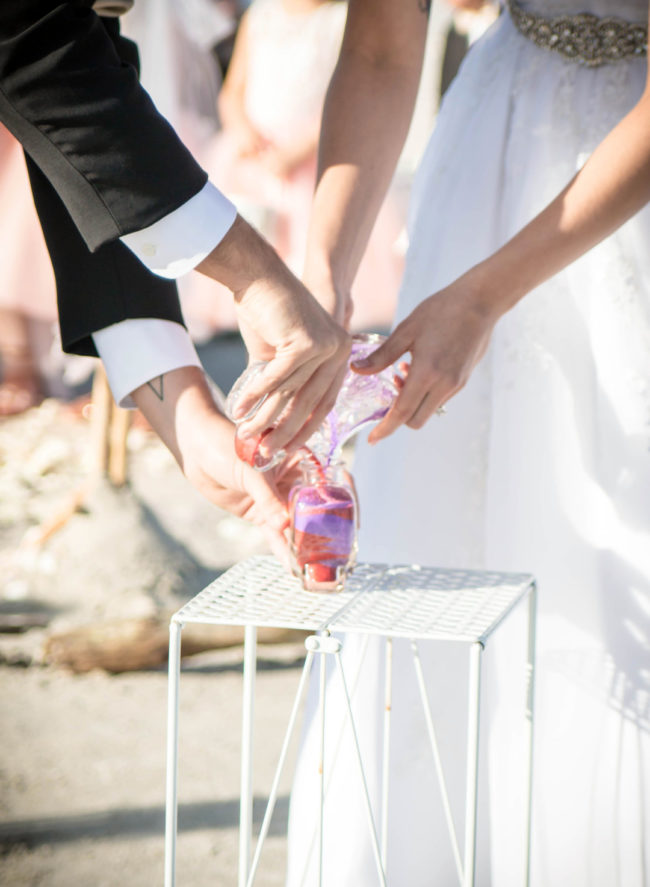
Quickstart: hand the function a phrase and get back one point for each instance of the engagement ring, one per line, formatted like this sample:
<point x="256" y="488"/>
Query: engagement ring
<point x="441" y="411"/>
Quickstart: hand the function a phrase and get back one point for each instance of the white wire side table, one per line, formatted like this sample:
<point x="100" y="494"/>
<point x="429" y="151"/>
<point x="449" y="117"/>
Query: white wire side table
<point x="416" y="603"/>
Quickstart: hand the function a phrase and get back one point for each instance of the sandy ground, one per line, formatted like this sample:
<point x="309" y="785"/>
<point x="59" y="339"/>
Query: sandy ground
<point x="82" y="759"/>
<point x="83" y="769"/>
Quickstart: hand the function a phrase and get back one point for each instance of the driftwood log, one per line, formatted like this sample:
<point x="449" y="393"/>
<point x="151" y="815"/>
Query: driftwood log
<point x="109" y="430"/>
<point x="138" y="644"/>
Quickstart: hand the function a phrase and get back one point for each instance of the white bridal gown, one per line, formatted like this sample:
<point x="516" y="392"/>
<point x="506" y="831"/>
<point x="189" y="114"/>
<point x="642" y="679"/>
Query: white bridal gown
<point x="541" y="465"/>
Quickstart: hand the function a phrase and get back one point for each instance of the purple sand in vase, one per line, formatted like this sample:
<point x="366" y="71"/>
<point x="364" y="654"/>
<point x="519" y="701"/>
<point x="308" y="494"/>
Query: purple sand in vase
<point x="323" y="527"/>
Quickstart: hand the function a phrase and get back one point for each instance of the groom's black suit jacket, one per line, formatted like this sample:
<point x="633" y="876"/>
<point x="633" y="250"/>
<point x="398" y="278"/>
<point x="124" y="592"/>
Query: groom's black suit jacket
<point x="102" y="161"/>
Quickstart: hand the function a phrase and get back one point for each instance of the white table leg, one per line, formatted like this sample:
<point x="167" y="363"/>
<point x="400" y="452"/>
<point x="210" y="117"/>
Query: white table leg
<point x="471" y="789"/>
<point x="321" y="760"/>
<point x="273" y="794"/>
<point x="440" y="773"/>
<point x="371" y="821"/>
<point x="388" y="705"/>
<point x="171" y="802"/>
<point x="530" y="720"/>
<point x="246" y="784"/>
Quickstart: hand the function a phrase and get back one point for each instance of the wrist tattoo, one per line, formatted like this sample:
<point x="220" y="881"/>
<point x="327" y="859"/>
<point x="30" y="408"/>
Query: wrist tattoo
<point x="156" y="386"/>
<point x="424" y="6"/>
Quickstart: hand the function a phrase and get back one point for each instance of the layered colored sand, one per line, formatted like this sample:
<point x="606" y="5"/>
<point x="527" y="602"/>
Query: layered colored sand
<point x="323" y="530"/>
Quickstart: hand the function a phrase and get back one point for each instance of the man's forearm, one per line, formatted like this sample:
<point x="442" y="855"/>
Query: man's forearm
<point x="70" y="94"/>
<point x="242" y="257"/>
<point x="140" y="349"/>
<point x="172" y="403"/>
<point x="180" y="407"/>
<point x="365" y="122"/>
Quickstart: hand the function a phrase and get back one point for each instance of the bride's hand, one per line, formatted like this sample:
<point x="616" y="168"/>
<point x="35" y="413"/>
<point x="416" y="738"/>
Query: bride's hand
<point x="447" y="334"/>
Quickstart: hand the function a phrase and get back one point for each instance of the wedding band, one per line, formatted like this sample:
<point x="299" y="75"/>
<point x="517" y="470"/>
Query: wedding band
<point x="441" y="411"/>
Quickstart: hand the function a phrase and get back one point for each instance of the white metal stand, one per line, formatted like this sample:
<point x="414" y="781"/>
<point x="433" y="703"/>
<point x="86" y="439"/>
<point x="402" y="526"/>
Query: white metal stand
<point x="403" y="601"/>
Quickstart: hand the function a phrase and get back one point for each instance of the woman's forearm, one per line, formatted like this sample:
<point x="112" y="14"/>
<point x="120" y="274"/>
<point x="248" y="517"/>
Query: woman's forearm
<point x="611" y="187"/>
<point x="365" y="121"/>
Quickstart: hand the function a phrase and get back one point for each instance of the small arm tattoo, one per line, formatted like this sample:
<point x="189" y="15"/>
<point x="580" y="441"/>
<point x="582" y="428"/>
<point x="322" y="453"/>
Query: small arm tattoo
<point x="157" y="387"/>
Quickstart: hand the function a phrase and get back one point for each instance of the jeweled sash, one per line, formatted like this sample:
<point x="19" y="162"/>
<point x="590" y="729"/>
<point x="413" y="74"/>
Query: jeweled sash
<point x="584" y="38"/>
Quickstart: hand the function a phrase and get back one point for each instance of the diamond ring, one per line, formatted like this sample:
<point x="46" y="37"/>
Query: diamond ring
<point x="441" y="411"/>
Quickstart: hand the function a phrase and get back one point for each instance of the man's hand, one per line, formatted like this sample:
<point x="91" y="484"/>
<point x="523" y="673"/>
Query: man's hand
<point x="181" y="409"/>
<point x="281" y="323"/>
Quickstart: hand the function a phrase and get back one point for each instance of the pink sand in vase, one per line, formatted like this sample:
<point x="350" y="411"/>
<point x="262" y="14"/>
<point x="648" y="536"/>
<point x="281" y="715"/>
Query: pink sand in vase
<point x="323" y="529"/>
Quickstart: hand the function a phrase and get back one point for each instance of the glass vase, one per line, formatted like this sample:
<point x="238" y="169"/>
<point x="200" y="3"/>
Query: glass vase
<point x="323" y="515"/>
<point x="248" y="448"/>
<point x="362" y="401"/>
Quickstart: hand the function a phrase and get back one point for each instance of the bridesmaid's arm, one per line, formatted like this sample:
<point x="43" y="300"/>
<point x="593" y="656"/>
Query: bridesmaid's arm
<point x="231" y="102"/>
<point x="448" y="333"/>
<point x="282" y="160"/>
<point x="366" y="117"/>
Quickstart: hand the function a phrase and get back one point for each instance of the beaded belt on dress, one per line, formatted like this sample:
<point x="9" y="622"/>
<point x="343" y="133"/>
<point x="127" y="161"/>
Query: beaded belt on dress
<point x="585" y="38"/>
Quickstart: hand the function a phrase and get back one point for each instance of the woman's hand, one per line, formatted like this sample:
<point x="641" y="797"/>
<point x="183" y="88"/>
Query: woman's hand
<point x="447" y="334"/>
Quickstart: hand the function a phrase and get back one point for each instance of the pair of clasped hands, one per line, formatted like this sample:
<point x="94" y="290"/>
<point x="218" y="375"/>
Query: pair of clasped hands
<point x="304" y="341"/>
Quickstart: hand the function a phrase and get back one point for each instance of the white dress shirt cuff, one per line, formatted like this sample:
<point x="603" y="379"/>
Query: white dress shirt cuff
<point x="137" y="350"/>
<point x="176" y="244"/>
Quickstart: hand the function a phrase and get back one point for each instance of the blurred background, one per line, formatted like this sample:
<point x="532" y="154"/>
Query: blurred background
<point x="101" y="538"/>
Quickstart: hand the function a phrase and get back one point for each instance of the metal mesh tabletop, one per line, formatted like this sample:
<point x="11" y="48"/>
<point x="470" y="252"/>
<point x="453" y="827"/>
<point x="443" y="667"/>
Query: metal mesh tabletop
<point x="400" y="601"/>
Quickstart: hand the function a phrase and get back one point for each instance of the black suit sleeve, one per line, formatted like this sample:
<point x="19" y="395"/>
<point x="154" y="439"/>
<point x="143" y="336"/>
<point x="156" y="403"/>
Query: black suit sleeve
<point x="95" y="290"/>
<point x="70" y="96"/>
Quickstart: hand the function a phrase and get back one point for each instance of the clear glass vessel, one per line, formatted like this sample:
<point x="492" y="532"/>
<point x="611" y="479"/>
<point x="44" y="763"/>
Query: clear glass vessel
<point x="323" y="514"/>
<point x="362" y="401"/>
<point x="248" y="449"/>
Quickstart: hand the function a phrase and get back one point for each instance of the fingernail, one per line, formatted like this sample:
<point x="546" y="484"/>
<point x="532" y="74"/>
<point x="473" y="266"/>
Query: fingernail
<point x="361" y="364"/>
